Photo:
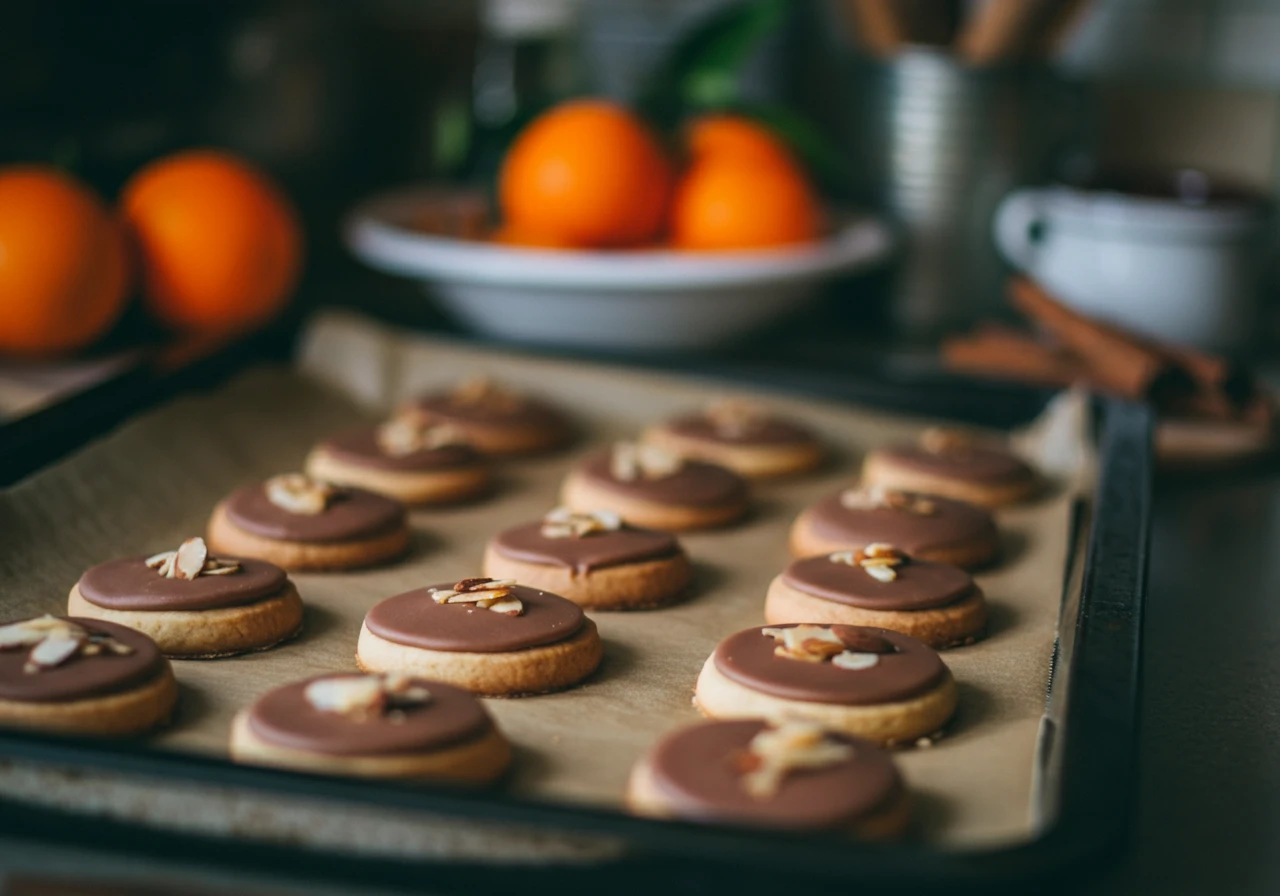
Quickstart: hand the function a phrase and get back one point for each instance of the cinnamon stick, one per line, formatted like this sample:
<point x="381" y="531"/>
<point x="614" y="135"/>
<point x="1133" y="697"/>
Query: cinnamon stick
<point x="1004" y="353"/>
<point x="1116" y="361"/>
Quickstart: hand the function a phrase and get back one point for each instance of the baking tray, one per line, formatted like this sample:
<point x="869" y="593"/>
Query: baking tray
<point x="1090" y="785"/>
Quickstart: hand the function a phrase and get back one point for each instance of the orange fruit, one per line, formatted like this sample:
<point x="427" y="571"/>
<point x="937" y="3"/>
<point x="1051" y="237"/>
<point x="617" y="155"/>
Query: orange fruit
<point x="723" y="203"/>
<point x="64" y="266"/>
<point x="587" y="172"/>
<point x="219" y="244"/>
<point x="722" y="135"/>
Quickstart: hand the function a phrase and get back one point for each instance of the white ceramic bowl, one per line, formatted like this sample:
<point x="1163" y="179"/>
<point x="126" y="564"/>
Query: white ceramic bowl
<point x="623" y="300"/>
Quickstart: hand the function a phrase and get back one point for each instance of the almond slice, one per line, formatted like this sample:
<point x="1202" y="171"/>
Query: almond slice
<point x="854" y="661"/>
<point x="351" y="695"/>
<point x="881" y="573"/>
<point x="510" y="606"/>
<point x="189" y="560"/>
<point x="52" y="651"/>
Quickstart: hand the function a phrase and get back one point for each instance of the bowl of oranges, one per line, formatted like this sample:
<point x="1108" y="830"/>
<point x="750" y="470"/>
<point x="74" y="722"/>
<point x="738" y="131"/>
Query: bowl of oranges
<point x="605" y="239"/>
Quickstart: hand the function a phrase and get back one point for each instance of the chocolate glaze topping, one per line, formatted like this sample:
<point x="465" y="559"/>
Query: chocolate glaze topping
<point x="585" y="553"/>
<point x="694" y="768"/>
<point x="765" y="431"/>
<point x="82" y="676"/>
<point x="286" y="718"/>
<point x="909" y="671"/>
<point x="360" y="446"/>
<point x="950" y="524"/>
<point x="976" y="463"/>
<point x="416" y="620"/>
<point x="128" y="584"/>
<point x="919" y="584"/>
<point x="695" y="484"/>
<point x="523" y="412"/>
<point x="352" y="513"/>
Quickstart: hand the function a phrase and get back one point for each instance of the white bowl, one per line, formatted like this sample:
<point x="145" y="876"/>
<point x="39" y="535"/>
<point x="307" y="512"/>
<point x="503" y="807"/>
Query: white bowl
<point x="637" y="300"/>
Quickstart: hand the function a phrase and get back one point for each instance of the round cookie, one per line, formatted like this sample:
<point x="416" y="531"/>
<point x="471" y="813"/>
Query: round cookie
<point x="191" y="604"/>
<point x="491" y="637"/>
<point x="300" y="523"/>
<point x="406" y="459"/>
<point x="873" y="683"/>
<point x="82" y="676"/>
<point x="372" y="726"/>
<point x="882" y="587"/>
<point x="654" y="488"/>
<point x="593" y="559"/>
<point x="495" y="420"/>
<point x="926" y="527"/>
<point x="795" y="776"/>
<point x="742" y="437"/>
<point x="953" y="465"/>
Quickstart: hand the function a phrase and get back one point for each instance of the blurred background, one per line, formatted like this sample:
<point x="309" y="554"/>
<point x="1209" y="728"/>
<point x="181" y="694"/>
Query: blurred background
<point x="906" y="115"/>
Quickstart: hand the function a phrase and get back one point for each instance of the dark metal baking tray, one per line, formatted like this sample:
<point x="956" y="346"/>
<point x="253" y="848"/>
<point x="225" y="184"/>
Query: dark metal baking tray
<point x="1096" y="761"/>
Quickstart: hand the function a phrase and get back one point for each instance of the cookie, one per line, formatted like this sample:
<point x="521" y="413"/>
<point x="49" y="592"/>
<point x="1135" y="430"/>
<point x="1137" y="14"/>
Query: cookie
<point x="794" y="776"/>
<point x="82" y="676"/>
<point x="372" y="726"/>
<point x="488" y="637"/>
<point x="593" y="559"/>
<point x="743" y="437"/>
<point x="926" y="527"/>
<point x="882" y="587"/>
<point x="300" y="523"/>
<point x="651" y="487"/>
<point x="953" y="465"/>
<point x="496" y="420"/>
<point x="193" y="605"/>
<point x="406" y="458"/>
<point x="880" y="685"/>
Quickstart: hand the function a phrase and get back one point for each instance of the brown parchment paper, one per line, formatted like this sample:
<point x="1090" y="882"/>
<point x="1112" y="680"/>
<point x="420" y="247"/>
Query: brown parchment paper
<point x="149" y="485"/>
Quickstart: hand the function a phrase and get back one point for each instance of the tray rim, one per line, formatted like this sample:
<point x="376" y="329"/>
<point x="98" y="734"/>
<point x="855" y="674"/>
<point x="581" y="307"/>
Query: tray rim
<point x="1096" y="782"/>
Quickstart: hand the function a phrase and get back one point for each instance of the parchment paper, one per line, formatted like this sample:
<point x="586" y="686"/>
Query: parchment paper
<point x="152" y="483"/>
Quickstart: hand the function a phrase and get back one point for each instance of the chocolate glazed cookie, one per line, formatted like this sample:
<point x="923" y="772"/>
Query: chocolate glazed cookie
<point x="751" y="772"/>
<point x="926" y="527"/>
<point x="194" y="605"/>
<point x="301" y="523"/>
<point x="873" y="683"/>
<point x="407" y="459"/>
<point x="82" y="676"/>
<point x="496" y="420"/>
<point x="934" y="602"/>
<point x="491" y="637"/>
<point x="742" y="437"/>
<point x="651" y="487"/>
<point x="593" y="559"/>
<point x="954" y="465"/>
<point x="373" y="726"/>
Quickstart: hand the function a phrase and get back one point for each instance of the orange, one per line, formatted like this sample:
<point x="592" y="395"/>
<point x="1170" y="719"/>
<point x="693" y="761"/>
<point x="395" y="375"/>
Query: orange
<point x="219" y="244"/>
<point x="722" y="135"/>
<point x="725" y="203"/>
<point x="64" y="270"/>
<point x="588" y="173"/>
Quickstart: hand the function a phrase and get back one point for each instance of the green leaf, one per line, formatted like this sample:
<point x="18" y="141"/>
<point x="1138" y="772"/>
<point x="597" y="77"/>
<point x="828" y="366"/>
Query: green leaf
<point x="702" y="68"/>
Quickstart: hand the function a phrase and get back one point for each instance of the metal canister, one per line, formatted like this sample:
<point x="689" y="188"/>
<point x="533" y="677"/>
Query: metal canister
<point x="937" y="144"/>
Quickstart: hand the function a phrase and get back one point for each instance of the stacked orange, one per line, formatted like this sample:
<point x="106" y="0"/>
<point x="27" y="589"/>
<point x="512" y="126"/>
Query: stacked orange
<point x="588" y="174"/>
<point x="215" y="245"/>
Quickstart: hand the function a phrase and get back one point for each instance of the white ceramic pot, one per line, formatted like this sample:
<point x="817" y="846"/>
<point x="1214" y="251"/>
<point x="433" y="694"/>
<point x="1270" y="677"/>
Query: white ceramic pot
<point x="1175" y="271"/>
<point x="639" y="300"/>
